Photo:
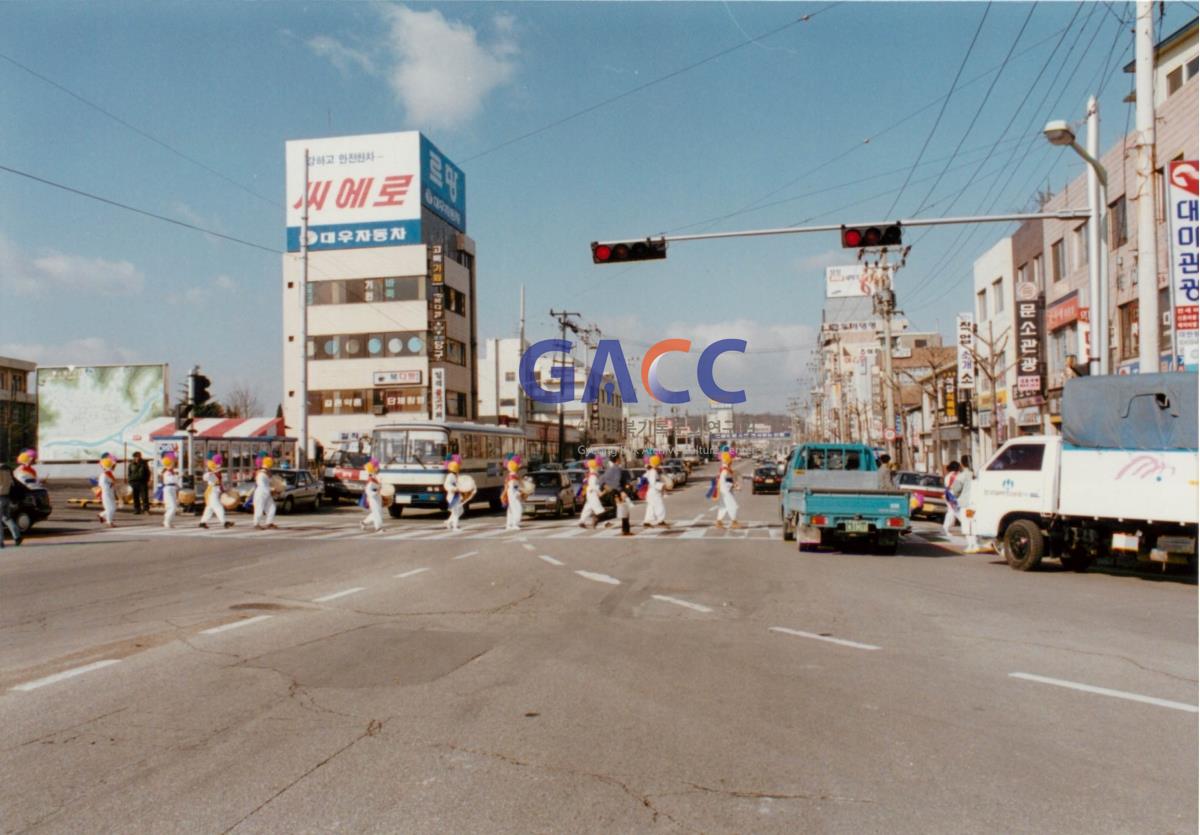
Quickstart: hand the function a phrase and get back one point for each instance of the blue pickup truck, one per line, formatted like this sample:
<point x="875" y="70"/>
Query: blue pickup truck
<point x="836" y="493"/>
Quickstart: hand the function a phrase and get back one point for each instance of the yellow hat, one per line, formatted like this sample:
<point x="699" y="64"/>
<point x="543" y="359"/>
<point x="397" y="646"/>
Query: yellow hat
<point x="726" y="457"/>
<point x="267" y="462"/>
<point x="655" y="460"/>
<point x="107" y="461"/>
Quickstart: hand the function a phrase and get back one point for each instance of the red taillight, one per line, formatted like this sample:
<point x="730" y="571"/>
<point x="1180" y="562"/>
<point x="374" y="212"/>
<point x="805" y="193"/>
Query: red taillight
<point x="820" y="520"/>
<point x="895" y="522"/>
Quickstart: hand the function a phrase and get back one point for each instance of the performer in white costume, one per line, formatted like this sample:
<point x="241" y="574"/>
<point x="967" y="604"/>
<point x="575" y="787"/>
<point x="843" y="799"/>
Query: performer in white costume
<point x="264" y="502"/>
<point x="593" y="508"/>
<point x="656" y="507"/>
<point x="213" y="487"/>
<point x="454" y="499"/>
<point x="108" y="490"/>
<point x="726" y="484"/>
<point x="512" y="490"/>
<point x="25" y="473"/>
<point x="170" y="486"/>
<point x="374" y="500"/>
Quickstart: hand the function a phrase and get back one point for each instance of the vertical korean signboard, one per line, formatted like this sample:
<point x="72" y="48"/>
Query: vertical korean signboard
<point x="965" y="337"/>
<point x="1030" y="304"/>
<point x="437" y="401"/>
<point x="437" y="304"/>
<point x="1184" y="229"/>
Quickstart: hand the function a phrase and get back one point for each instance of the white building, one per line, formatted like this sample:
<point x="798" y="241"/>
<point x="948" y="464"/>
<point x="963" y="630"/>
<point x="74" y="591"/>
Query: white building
<point x="390" y="287"/>
<point x="996" y="369"/>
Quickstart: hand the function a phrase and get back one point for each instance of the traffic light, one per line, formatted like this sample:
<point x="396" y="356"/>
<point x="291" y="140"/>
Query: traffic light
<point x="858" y="237"/>
<point x="184" y="416"/>
<point x="200" y="394"/>
<point x="611" y="253"/>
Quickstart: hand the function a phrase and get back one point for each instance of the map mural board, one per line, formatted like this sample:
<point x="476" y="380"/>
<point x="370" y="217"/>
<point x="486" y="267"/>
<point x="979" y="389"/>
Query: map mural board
<point x="87" y="410"/>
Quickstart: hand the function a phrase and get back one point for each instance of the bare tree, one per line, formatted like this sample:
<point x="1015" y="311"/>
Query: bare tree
<point x="242" y="402"/>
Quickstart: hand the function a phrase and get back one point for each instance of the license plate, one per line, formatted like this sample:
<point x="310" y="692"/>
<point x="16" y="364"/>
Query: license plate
<point x="769" y="481"/>
<point x="856" y="526"/>
<point x="403" y="498"/>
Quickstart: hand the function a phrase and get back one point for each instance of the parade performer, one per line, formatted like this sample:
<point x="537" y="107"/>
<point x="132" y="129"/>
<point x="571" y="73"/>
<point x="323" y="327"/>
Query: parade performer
<point x="213" y="487"/>
<point x="454" y="499"/>
<point x="656" y="508"/>
<point x="108" y="490"/>
<point x="593" y="509"/>
<point x="726" y="484"/>
<point x="264" y="502"/>
<point x="25" y="473"/>
<point x="170" y="490"/>
<point x="371" y="494"/>
<point x="512" y="491"/>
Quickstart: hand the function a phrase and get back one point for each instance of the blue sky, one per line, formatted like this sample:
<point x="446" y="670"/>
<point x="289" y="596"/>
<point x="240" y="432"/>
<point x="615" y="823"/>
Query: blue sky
<point x="220" y="86"/>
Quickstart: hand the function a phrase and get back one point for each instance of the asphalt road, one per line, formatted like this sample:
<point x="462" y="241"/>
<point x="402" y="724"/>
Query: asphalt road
<point x="318" y="679"/>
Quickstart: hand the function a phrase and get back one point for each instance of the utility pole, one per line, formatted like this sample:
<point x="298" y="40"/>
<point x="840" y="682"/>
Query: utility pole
<point x="563" y="317"/>
<point x="302" y="390"/>
<point x="1147" y="237"/>
<point x="520" y="353"/>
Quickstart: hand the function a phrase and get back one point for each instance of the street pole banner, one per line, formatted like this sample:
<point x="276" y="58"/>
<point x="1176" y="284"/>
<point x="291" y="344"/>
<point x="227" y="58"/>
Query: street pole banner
<point x="1030" y="304"/>
<point x="846" y="282"/>
<point x="966" y="350"/>
<point x="1182" y="192"/>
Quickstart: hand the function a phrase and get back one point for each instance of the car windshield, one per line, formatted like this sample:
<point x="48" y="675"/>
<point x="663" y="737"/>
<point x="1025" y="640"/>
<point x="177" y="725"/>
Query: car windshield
<point x="546" y="479"/>
<point x="358" y="460"/>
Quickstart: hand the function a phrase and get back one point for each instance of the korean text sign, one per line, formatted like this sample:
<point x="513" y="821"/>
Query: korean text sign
<point x="1184" y="230"/>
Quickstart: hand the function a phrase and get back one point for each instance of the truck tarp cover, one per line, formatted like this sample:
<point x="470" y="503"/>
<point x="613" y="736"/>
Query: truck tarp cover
<point x="1131" y="411"/>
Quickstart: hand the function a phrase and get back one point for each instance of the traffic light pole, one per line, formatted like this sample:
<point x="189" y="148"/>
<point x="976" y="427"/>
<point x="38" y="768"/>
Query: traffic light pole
<point x="563" y="316"/>
<point x="191" y="395"/>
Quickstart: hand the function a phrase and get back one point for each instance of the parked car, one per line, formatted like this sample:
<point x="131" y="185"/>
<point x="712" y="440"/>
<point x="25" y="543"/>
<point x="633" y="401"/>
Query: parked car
<point x="32" y="507"/>
<point x="931" y="488"/>
<point x="552" y="493"/>
<point x="765" y="480"/>
<point x="678" y="470"/>
<point x="300" y="489"/>
<point x="576" y="477"/>
<point x="344" y="476"/>
<point x="686" y="466"/>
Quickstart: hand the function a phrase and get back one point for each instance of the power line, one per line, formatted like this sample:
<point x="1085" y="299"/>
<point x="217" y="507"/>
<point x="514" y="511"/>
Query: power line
<point x="942" y="111"/>
<point x="641" y="87"/>
<point x="135" y="129"/>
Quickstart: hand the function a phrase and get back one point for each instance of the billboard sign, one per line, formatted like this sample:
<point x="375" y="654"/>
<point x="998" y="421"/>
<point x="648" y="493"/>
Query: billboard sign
<point x="965" y="331"/>
<point x="437" y="379"/>
<point x="86" y="411"/>
<point x="1030" y="334"/>
<point x="1184" y="229"/>
<point x="846" y="282"/>
<point x="368" y="190"/>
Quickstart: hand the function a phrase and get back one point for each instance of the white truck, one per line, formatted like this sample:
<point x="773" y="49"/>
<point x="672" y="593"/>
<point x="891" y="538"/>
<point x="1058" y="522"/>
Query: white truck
<point x="1122" y="477"/>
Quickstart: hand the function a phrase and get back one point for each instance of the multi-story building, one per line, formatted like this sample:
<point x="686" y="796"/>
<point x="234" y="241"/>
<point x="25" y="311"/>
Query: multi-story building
<point x="388" y="278"/>
<point x="18" y="408"/>
<point x="996" y="336"/>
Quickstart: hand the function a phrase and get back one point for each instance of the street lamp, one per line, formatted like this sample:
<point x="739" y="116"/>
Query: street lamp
<point x="1059" y="132"/>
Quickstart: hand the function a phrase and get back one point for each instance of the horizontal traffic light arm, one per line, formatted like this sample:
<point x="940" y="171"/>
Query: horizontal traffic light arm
<point x="614" y="252"/>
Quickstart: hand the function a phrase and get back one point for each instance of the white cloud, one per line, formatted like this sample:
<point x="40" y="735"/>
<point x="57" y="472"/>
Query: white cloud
<point x="224" y="282"/>
<point x="442" y="72"/>
<point x="56" y="272"/>
<point x="89" y="350"/>
<point x="828" y="258"/>
<point x="343" y="57"/>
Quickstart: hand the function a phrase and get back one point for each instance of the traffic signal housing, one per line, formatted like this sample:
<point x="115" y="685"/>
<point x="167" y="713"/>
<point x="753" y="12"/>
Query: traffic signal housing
<point x="621" y="251"/>
<point x="200" y="393"/>
<point x="859" y="237"/>
<point x="184" y="416"/>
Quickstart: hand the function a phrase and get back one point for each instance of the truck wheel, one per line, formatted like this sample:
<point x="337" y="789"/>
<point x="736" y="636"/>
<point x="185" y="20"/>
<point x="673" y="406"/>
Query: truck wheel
<point x="24" y="522"/>
<point x="789" y="529"/>
<point x="1075" y="561"/>
<point x="395" y="510"/>
<point x="1024" y="545"/>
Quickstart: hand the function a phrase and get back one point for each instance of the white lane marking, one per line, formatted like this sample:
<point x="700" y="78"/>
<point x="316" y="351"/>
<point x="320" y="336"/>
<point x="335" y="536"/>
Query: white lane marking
<point x="237" y="624"/>
<point x="697" y="518"/>
<point x="407" y="535"/>
<point x="599" y="578"/>
<point x="679" y="602"/>
<point x="816" y="637"/>
<point x="338" y="594"/>
<point x="464" y="556"/>
<point x="65" y="674"/>
<point x="446" y="535"/>
<point x="567" y="534"/>
<point x="528" y="547"/>
<point x="412" y="573"/>
<point x="694" y="533"/>
<point x="550" y="560"/>
<point x="770" y="533"/>
<point x="1104" y="691"/>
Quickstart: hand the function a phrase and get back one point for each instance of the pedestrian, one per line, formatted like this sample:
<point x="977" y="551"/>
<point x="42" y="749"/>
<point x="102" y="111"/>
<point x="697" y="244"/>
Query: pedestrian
<point x="656" y="507"/>
<point x="374" y="500"/>
<point x="10" y="489"/>
<point x="213" y="488"/>
<point x="170" y="489"/>
<point x="512" y="493"/>
<point x="951" y="492"/>
<point x="454" y="497"/>
<point x="726" y="484"/>
<point x="616" y="481"/>
<point x="264" y="502"/>
<point x="138" y="474"/>
<point x="966" y="516"/>
<point x="593" y="508"/>
<point x="25" y="473"/>
<point x="108" y="490"/>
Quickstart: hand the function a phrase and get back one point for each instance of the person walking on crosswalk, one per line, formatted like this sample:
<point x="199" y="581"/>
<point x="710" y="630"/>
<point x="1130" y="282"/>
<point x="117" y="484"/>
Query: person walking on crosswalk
<point x="656" y="506"/>
<point x="170" y="489"/>
<point x="453" y="495"/>
<point x="726" y="484"/>
<point x="374" y="499"/>
<point x="213" y="488"/>
<point x="264" y="502"/>
<point x="512" y="493"/>
<point x="593" y="509"/>
<point x="108" y="490"/>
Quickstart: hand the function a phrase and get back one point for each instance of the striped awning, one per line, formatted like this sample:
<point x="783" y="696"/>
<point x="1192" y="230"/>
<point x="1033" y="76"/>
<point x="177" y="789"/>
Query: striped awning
<point x="215" y="428"/>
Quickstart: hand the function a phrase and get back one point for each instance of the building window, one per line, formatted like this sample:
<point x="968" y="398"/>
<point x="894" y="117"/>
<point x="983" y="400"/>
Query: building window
<point x="981" y="304"/>
<point x="366" y="345"/>
<point x="510" y="376"/>
<point x="1174" y="80"/>
<point x="339" y="402"/>
<point x="998" y="295"/>
<point x="365" y="290"/>
<point x="1037" y="271"/>
<point x="1129" y="330"/>
<point x="1058" y="261"/>
<point x="1081" y="245"/>
<point x="1063" y="342"/>
<point x="456" y="302"/>
<point x="456" y="352"/>
<point x="1022" y="274"/>
<point x="456" y="405"/>
<point x="1164" y="312"/>
<point x="1117" y="223"/>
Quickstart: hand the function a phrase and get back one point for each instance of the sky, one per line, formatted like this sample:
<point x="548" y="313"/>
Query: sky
<point x="573" y="122"/>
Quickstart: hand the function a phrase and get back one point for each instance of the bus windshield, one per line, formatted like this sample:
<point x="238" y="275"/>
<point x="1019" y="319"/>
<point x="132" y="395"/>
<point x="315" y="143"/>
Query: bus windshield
<point x="404" y="447"/>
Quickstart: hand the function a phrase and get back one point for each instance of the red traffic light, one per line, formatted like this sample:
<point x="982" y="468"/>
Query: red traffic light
<point x="647" y="250"/>
<point x="857" y="237"/>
